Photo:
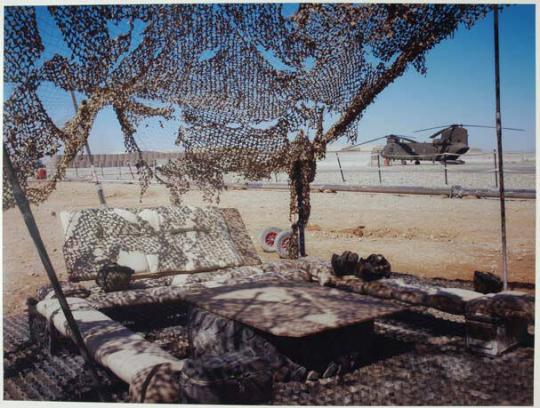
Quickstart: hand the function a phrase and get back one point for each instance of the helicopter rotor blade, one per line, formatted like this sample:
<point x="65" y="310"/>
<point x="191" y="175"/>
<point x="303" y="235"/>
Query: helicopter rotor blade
<point x="431" y="128"/>
<point x="464" y="125"/>
<point x="493" y="127"/>
<point x="434" y="135"/>
<point x="407" y="138"/>
<point x="363" y="143"/>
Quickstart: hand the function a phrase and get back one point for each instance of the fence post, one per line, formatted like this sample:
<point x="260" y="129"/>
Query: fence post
<point x="445" y="171"/>
<point x="99" y="188"/>
<point x="130" y="170"/>
<point x="495" y="168"/>
<point x="340" y="169"/>
<point x="379" y="167"/>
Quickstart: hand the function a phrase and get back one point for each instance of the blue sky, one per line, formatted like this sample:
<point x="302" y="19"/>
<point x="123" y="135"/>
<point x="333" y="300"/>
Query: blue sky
<point x="458" y="88"/>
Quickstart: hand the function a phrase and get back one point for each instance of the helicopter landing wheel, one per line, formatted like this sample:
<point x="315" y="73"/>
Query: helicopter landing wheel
<point x="417" y="162"/>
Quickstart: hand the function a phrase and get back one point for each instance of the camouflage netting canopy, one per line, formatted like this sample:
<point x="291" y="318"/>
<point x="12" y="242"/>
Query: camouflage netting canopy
<point x="247" y="85"/>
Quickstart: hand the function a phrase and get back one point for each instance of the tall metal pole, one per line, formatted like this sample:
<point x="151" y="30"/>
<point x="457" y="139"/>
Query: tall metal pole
<point x="499" y="145"/>
<point x="495" y="168"/>
<point x="99" y="187"/>
<point x="24" y="207"/>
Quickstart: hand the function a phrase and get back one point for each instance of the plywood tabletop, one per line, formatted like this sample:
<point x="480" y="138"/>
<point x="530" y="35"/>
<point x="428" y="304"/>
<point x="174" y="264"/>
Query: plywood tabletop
<point x="292" y="309"/>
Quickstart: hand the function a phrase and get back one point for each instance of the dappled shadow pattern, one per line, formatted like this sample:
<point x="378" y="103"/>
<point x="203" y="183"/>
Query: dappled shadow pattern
<point x="409" y="366"/>
<point x="31" y="373"/>
<point x="423" y="377"/>
<point x="292" y="309"/>
<point x="327" y="353"/>
<point x="152" y="240"/>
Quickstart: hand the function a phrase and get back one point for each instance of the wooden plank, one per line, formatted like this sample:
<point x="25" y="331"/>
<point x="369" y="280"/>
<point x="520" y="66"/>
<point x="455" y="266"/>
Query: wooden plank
<point x="291" y="309"/>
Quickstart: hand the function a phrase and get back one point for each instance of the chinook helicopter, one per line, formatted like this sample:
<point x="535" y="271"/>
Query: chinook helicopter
<point x="447" y="145"/>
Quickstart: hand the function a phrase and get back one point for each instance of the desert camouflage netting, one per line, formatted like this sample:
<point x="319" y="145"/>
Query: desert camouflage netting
<point x="248" y="85"/>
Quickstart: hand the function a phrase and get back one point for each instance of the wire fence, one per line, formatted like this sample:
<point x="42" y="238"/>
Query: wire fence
<point x="479" y="170"/>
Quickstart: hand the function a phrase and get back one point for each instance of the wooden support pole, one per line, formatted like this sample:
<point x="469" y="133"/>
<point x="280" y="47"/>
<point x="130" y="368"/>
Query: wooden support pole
<point x="499" y="145"/>
<point x="24" y="207"/>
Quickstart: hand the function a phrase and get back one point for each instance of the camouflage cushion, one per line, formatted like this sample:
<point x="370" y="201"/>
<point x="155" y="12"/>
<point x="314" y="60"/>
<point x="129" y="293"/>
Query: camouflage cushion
<point x="504" y="305"/>
<point x="70" y="290"/>
<point x="157" y="384"/>
<point x="416" y="295"/>
<point x="133" y="297"/>
<point x="213" y="279"/>
<point x="110" y="343"/>
<point x="451" y="300"/>
<point x="240" y="236"/>
<point x="161" y="240"/>
<point x="379" y="288"/>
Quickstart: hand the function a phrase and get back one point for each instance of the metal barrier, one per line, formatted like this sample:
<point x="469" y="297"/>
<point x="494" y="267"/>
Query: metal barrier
<point x="367" y="169"/>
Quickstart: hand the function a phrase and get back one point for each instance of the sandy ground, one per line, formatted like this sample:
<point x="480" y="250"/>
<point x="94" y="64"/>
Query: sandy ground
<point x="423" y="235"/>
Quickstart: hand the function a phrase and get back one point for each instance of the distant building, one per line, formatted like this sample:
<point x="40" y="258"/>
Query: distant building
<point x="117" y="160"/>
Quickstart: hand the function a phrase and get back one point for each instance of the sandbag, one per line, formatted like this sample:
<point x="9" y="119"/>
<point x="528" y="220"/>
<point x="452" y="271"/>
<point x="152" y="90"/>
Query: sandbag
<point x="232" y="378"/>
<point x="504" y="305"/>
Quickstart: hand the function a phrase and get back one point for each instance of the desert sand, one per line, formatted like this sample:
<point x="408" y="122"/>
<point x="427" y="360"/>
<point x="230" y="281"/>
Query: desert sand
<point x="423" y="235"/>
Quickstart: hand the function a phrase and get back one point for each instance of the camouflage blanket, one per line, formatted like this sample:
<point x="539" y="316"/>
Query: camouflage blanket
<point x="158" y="240"/>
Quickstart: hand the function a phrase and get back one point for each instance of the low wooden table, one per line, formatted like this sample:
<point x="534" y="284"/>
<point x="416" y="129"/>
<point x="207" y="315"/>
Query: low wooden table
<point x="310" y="325"/>
<point x="291" y="309"/>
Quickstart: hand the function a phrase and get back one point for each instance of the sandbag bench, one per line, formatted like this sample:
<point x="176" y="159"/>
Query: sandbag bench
<point x="173" y="251"/>
<point x="494" y="322"/>
<point x="156" y="243"/>
<point x="178" y="251"/>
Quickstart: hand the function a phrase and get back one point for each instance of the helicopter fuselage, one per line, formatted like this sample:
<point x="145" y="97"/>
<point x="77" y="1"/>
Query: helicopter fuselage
<point x="451" y="144"/>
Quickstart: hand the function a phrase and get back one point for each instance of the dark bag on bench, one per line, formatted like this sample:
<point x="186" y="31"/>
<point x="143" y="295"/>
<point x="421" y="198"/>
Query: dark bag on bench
<point x="231" y="378"/>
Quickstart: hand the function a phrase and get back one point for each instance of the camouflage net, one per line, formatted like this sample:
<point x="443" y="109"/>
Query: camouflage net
<point x="247" y="84"/>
